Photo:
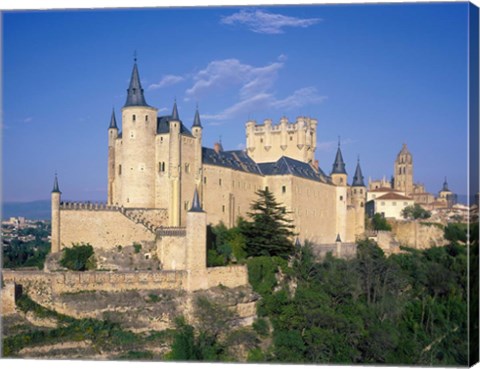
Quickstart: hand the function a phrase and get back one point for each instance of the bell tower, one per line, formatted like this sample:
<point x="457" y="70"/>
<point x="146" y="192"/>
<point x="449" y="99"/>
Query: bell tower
<point x="403" y="171"/>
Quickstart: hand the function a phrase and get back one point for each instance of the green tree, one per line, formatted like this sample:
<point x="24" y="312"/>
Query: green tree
<point x="379" y="223"/>
<point x="415" y="212"/>
<point x="80" y="257"/>
<point x="270" y="231"/>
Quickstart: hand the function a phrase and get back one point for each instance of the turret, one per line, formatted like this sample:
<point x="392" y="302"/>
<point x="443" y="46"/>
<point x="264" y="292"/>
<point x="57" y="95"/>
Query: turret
<point x="55" y="236"/>
<point x="358" y="195"/>
<point x="112" y="136"/>
<point x="196" y="264"/>
<point x="339" y="174"/>
<point x="175" y="167"/>
<point x="197" y="133"/>
<point x="139" y="128"/>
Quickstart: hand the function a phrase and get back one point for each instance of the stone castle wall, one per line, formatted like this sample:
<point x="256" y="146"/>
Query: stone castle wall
<point x="7" y="301"/>
<point x="229" y="276"/>
<point x="102" y="228"/>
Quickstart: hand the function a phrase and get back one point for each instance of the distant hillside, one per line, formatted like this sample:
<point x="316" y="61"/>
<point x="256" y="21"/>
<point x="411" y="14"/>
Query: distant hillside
<point x="32" y="210"/>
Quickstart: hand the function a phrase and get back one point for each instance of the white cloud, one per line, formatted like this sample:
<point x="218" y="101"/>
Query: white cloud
<point x="168" y="80"/>
<point x="301" y="97"/>
<point x="27" y="120"/>
<point x="162" y="110"/>
<point x="298" y="99"/>
<point x="260" y="21"/>
<point x="220" y="74"/>
<point x="330" y="145"/>
<point x="255" y="86"/>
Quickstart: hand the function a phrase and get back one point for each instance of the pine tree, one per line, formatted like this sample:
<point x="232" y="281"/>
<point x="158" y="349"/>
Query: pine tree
<point x="270" y="231"/>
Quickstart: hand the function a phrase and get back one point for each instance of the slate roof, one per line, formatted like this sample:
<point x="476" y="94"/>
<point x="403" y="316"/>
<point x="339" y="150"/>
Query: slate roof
<point x="55" y="185"/>
<point x="163" y="125"/>
<point x="239" y="160"/>
<point x="135" y="91"/>
<point x="358" y="177"/>
<point x="113" y="121"/>
<point x="236" y="159"/>
<point x="338" y="164"/>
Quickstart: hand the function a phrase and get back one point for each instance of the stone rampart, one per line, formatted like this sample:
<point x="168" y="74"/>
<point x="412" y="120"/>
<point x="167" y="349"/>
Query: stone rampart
<point x="228" y="276"/>
<point x="7" y="301"/>
<point x="71" y="282"/>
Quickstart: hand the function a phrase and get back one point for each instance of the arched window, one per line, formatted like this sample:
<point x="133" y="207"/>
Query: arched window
<point x="120" y="170"/>
<point x="134" y="118"/>
<point x="146" y="118"/>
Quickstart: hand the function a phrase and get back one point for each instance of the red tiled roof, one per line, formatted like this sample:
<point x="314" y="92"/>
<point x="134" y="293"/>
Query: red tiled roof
<point x="393" y="196"/>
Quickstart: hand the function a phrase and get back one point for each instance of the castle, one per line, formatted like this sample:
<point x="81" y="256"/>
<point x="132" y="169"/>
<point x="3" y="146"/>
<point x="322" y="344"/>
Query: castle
<point x="156" y="165"/>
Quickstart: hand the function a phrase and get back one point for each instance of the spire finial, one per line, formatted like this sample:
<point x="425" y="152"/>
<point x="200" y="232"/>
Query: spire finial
<point x="339" y="141"/>
<point x="55" y="184"/>
<point x="196" y="207"/>
<point x="135" y="56"/>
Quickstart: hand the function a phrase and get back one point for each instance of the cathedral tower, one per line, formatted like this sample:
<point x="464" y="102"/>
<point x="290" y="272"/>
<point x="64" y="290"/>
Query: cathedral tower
<point x="403" y="172"/>
<point x="137" y="170"/>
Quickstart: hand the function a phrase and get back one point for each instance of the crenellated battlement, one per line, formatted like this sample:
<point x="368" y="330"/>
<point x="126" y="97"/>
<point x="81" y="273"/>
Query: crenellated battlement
<point x="268" y="142"/>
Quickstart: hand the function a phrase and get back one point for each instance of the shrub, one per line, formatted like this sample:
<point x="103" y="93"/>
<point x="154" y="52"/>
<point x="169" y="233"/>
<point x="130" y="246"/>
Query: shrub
<point x="137" y="247"/>
<point x="80" y="257"/>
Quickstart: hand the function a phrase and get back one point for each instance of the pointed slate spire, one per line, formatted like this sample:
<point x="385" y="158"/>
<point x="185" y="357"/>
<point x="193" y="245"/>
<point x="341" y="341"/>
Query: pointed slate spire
<point x="338" y="238"/>
<point x="358" y="177"/>
<point x="298" y="245"/>
<point x="339" y="164"/>
<point x="196" y="207"/>
<point x="196" y="120"/>
<point x="55" y="185"/>
<point x="175" y="111"/>
<point x="113" y="121"/>
<point x="135" y="91"/>
<point x="445" y="185"/>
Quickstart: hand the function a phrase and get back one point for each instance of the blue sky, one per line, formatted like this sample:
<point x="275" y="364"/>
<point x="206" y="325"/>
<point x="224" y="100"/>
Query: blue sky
<point x="376" y="75"/>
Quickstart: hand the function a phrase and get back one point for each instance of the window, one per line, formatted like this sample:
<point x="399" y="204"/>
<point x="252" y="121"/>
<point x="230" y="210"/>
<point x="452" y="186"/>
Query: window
<point x="355" y="191"/>
<point x="219" y="181"/>
<point x="223" y="208"/>
<point x="291" y="138"/>
<point x="161" y="166"/>
<point x="120" y="170"/>
<point x="204" y="180"/>
<point x="187" y="167"/>
<point x="383" y="203"/>
<point x="394" y="203"/>
<point x="146" y="118"/>
<point x="361" y="204"/>
<point x="185" y="205"/>
<point x="341" y="198"/>
<point x="161" y="139"/>
<point x="405" y="203"/>
<point x="266" y="188"/>
<point x="261" y="140"/>
<point x="361" y="191"/>
<point x="134" y="117"/>
<point x="341" y="180"/>
<point x="284" y="189"/>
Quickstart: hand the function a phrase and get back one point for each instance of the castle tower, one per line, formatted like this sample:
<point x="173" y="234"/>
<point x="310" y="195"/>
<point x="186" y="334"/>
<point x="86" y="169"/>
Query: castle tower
<point x="137" y="171"/>
<point x="339" y="174"/>
<point x="55" y="237"/>
<point x="358" y="196"/>
<point x="174" y="168"/>
<point x="196" y="258"/>
<point x="197" y="167"/>
<point x="403" y="172"/>
<point x="112" y="136"/>
<point x="339" y="179"/>
<point x="268" y="142"/>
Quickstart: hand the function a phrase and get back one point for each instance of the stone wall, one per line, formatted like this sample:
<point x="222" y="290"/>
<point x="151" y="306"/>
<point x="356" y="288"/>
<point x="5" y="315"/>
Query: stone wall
<point x="71" y="282"/>
<point x="416" y="235"/>
<point x="102" y="228"/>
<point x="342" y="250"/>
<point x="229" y="276"/>
<point x="7" y="301"/>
